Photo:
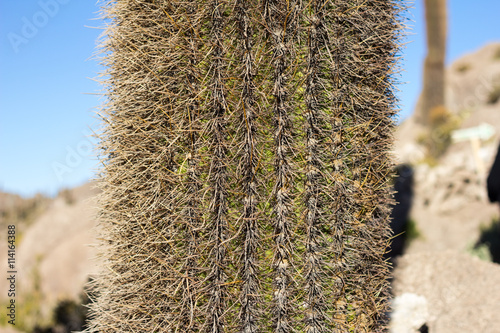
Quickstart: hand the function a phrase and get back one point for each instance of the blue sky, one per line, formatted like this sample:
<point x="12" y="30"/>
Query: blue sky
<point x="48" y="97"/>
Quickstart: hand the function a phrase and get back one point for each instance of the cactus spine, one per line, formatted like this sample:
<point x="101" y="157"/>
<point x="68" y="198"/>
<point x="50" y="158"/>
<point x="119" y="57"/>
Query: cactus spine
<point x="246" y="167"/>
<point x="218" y="175"/>
<point x="281" y="18"/>
<point x="314" y="185"/>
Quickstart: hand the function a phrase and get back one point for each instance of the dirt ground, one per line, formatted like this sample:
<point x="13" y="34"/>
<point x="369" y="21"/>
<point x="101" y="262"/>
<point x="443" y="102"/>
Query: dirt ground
<point x="450" y="210"/>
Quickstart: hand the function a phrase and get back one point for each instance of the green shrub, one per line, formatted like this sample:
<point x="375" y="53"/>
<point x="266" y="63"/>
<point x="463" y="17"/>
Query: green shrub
<point x="462" y="68"/>
<point x="488" y="244"/>
<point x="438" y="137"/>
<point x="412" y="231"/>
<point x="496" y="56"/>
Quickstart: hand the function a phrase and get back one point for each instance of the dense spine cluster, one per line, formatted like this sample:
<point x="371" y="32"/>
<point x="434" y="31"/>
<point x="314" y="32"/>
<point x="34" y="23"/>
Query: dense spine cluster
<point x="192" y="181"/>
<point x="217" y="224"/>
<point x="245" y="166"/>
<point x="248" y="166"/>
<point x="281" y="19"/>
<point x="314" y="186"/>
<point x="364" y="55"/>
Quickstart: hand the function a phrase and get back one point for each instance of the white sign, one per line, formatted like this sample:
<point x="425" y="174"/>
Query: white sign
<point x="482" y="132"/>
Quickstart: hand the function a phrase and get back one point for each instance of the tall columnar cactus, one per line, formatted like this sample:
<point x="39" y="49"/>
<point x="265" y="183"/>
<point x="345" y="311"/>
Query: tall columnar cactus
<point x="245" y="166"/>
<point x="433" y="94"/>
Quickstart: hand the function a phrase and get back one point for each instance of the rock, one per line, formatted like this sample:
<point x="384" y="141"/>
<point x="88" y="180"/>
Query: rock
<point x="409" y="313"/>
<point x="462" y="292"/>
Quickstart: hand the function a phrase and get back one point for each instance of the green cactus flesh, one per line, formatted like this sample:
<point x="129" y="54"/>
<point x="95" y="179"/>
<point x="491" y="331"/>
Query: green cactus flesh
<point x="245" y="179"/>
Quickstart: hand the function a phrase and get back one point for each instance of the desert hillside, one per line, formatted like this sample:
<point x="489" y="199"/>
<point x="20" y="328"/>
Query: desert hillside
<point x="54" y="253"/>
<point x="450" y="207"/>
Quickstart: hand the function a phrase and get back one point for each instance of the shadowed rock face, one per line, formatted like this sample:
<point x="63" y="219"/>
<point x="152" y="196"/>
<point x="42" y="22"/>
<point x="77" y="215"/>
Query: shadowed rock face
<point x="69" y="316"/>
<point x="493" y="181"/>
<point x="490" y="237"/>
<point x="403" y="197"/>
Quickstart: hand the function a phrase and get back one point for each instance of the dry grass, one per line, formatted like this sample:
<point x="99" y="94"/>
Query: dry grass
<point x="245" y="166"/>
<point x="496" y="56"/>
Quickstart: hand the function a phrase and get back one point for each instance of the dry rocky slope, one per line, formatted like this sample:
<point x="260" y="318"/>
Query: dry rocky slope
<point x="462" y="292"/>
<point x="450" y="207"/>
<point x="54" y="254"/>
